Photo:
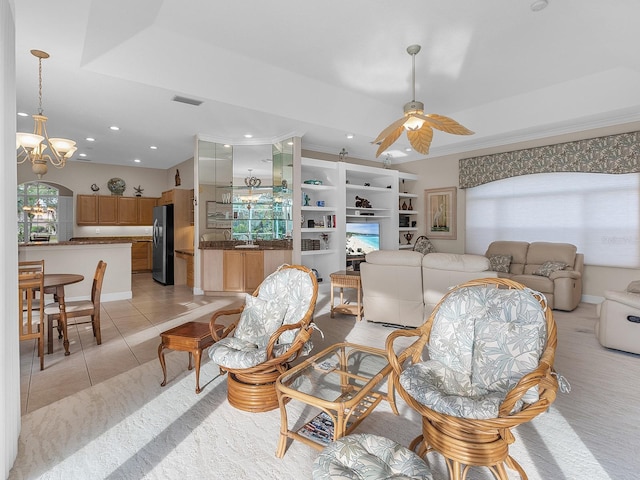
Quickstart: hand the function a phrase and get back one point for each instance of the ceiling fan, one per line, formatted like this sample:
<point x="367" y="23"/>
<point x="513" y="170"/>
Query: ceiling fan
<point x="419" y="126"/>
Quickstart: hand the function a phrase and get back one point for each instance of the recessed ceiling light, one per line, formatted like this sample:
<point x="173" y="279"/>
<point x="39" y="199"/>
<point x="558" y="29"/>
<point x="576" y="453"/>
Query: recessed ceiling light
<point x="114" y="128"/>
<point x="226" y="145"/>
<point x="82" y="155"/>
<point x="137" y="160"/>
<point x="349" y="135"/>
<point x="289" y="143"/>
<point x="248" y="135"/>
<point x="90" y="139"/>
<point x="22" y="114"/>
<point x="538" y="5"/>
<point x="153" y="147"/>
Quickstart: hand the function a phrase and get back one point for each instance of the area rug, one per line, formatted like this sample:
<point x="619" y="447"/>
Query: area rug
<point x="129" y="427"/>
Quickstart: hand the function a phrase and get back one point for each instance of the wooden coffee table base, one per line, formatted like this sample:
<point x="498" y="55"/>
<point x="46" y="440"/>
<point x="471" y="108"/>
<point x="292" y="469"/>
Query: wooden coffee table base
<point x="192" y="337"/>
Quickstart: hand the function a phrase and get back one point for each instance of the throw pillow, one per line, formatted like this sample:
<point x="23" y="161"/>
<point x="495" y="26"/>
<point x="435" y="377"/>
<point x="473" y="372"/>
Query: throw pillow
<point x="500" y="263"/>
<point x="423" y="245"/>
<point x="547" y="268"/>
<point x="259" y="319"/>
<point x="634" y="287"/>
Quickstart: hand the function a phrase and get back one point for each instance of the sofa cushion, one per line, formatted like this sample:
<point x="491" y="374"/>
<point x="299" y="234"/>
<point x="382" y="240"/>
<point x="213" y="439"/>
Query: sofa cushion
<point x="535" y="282"/>
<point x="517" y="250"/>
<point x="634" y="287"/>
<point x="407" y="258"/>
<point x="500" y="263"/>
<point x="456" y="262"/>
<point x="540" y="252"/>
<point x="547" y="268"/>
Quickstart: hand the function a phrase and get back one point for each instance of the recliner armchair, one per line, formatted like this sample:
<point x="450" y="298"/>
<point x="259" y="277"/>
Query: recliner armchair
<point x="618" y="326"/>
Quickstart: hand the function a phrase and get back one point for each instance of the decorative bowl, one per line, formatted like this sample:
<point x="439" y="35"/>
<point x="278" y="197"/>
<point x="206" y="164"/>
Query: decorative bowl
<point x="116" y="186"/>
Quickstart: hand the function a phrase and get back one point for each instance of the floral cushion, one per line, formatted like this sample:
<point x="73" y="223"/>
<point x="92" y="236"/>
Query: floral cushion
<point x="423" y="245"/>
<point x="547" y="268"/>
<point x="483" y="340"/>
<point x="259" y="319"/>
<point x="500" y="263"/>
<point x="294" y="289"/>
<point x="362" y="456"/>
<point x="232" y="352"/>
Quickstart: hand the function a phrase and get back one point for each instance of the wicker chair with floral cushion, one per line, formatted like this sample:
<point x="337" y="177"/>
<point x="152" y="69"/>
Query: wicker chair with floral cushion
<point x="273" y="329"/>
<point x="491" y="346"/>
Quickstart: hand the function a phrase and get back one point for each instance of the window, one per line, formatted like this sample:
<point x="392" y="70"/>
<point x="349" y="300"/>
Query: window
<point x="599" y="213"/>
<point x="37" y="212"/>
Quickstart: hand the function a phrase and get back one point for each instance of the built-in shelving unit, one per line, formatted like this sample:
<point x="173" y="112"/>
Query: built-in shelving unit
<point x="407" y="211"/>
<point x="351" y="194"/>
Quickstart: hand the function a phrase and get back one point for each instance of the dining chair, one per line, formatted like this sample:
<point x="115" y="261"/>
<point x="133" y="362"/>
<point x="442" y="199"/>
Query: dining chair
<point x="32" y="266"/>
<point x="77" y="309"/>
<point x="30" y="319"/>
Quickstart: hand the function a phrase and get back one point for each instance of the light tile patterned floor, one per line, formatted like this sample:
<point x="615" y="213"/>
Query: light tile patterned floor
<point x="130" y="337"/>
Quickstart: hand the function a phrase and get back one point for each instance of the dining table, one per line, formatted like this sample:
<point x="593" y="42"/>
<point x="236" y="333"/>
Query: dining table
<point x="54" y="283"/>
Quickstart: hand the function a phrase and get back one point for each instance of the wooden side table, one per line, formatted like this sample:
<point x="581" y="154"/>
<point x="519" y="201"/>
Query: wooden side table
<point x="192" y="337"/>
<point x="347" y="279"/>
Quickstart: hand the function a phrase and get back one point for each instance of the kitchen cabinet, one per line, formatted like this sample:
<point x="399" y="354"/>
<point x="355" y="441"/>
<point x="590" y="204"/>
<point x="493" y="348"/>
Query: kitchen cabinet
<point x="141" y="256"/>
<point x="107" y="210"/>
<point x="87" y="209"/>
<point x="114" y="210"/>
<point x="243" y="271"/>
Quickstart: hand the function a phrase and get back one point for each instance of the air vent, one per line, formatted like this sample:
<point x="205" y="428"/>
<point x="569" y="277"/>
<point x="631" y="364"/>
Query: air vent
<point x="188" y="101"/>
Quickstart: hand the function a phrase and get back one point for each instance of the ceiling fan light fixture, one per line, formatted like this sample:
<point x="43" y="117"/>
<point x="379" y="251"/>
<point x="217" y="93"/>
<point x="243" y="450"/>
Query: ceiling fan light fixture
<point x="419" y="127"/>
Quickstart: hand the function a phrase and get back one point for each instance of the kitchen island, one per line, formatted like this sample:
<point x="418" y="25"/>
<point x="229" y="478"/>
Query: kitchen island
<point x="82" y="256"/>
<point x="229" y="267"/>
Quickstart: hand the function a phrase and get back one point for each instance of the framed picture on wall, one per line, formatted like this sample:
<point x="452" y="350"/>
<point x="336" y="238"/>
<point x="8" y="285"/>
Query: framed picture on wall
<point x="441" y="212"/>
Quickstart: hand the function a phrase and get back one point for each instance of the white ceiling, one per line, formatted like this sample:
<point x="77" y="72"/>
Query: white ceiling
<point x="322" y="69"/>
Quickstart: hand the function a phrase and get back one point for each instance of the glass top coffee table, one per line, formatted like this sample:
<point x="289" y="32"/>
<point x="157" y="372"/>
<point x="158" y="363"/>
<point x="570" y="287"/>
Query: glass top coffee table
<point x="343" y="382"/>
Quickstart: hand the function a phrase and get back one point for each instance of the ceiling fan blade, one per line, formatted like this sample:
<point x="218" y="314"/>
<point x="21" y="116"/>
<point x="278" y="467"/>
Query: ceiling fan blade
<point x="392" y="137"/>
<point x="420" y="139"/>
<point x="448" y="125"/>
<point x="385" y="133"/>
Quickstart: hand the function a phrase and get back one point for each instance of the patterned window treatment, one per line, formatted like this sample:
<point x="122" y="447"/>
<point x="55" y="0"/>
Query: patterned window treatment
<point x="611" y="154"/>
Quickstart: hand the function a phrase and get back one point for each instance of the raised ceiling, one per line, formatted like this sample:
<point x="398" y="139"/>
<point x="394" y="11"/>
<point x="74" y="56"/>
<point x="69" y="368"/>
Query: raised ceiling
<point x="322" y="70"/>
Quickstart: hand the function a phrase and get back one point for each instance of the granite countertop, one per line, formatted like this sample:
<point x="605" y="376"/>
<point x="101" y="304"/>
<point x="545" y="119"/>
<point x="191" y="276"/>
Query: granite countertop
<point x="87" y="241"/>
<point x="261" y="245"/>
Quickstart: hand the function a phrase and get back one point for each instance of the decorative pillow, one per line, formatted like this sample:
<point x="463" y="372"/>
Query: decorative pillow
<point x="500" y="263"/>
<point x="423" y="245"/>
<point x="547" y="268"/>
<point x="634" y="287"/>
<point x="259" y="319"/>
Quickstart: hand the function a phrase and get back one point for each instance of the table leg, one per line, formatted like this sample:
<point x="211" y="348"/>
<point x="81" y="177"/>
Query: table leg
<point x="359" y="304"/>
<point x="162" y="364"/>
<point x="197" y="355"/>
<point x="332" y="314"/>
<point x="284" y="427"/>
<point x="63" y="318"/>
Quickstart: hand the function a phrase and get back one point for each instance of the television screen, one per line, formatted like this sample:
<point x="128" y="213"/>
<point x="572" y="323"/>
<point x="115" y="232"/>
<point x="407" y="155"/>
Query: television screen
<point x="362" y="238"/>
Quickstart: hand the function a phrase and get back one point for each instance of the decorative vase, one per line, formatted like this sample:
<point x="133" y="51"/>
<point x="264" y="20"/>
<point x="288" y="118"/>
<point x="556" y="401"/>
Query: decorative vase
<point x="408" y="236"/>
<point x="410" y="206"/>
<point x="404" y="205"/>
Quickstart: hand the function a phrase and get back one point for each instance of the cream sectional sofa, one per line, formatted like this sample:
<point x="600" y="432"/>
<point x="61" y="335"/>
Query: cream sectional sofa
<point x="401" y="287"/>
<point x="537" y="265"/>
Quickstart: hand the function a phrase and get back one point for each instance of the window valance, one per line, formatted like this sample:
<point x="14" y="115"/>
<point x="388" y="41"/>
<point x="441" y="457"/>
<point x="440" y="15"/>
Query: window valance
<point x="611" y="154"/>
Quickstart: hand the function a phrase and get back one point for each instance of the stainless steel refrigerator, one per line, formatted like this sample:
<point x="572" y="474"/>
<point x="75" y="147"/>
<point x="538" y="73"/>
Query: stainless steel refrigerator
<point x="163" y="244"/>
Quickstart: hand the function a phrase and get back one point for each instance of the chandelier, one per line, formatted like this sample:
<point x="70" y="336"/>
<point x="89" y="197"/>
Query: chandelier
<point x="32" y="146"/>
<point x="39" y="210"/>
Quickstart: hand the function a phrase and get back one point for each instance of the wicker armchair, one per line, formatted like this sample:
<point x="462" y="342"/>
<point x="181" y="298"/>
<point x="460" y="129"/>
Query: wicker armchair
<point x="273" y="330"/>
<point x="491" y="346"/>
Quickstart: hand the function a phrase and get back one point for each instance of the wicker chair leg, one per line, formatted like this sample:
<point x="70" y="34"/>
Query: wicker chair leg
<point x="252" y="396"/>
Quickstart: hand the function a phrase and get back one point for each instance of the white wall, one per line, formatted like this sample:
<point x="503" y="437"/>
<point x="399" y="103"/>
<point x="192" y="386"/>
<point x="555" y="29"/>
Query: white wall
<point x="9" y="351"/>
